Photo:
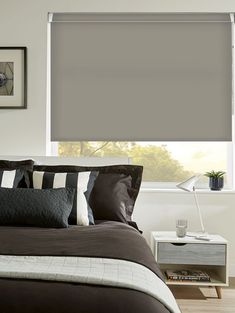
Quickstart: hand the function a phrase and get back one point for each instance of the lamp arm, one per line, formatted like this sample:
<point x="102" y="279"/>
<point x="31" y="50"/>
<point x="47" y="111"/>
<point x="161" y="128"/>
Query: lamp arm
<point x="199" y="210"/>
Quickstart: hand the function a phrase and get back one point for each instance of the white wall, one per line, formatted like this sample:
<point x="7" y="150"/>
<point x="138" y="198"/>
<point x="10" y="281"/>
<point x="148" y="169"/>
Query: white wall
<point x="22" y="132"/>
<point x="24" y="23"/>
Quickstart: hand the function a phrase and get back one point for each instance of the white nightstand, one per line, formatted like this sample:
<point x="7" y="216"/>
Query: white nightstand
<point x="187" y="253"/>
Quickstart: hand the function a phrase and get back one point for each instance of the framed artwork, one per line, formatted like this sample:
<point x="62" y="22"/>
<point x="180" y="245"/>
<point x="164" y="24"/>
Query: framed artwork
<point x="13" y="77"/>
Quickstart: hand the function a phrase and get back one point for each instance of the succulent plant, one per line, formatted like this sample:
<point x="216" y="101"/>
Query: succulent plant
<point x="214" y="174"/>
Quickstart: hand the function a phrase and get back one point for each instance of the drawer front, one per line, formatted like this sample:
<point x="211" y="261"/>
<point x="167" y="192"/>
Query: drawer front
<point x="199" y="254"/>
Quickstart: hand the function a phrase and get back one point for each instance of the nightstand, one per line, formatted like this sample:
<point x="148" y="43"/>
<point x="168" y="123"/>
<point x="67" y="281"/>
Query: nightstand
<point x="173" y="253"/>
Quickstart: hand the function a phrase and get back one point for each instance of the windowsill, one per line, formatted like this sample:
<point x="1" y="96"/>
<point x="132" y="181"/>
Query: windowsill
<point x="198" y="191"/>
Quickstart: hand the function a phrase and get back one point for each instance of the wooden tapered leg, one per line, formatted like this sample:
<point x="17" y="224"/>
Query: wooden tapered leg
<point x="219" y="292"/>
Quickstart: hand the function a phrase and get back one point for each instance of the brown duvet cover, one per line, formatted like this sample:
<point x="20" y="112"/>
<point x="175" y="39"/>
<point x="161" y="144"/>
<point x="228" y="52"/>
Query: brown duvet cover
<point x="107" y="239"/>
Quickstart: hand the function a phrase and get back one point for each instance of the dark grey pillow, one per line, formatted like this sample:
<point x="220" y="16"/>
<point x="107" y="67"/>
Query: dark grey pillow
<point x="25" y="166"/>
<point x="36" y="207"/>
<point x="11" y="178"/>
<point x="21" y="164"/>
<point x="45" y="180"/>
<point x="110" y="200"/>
<point x="87" y="194"/>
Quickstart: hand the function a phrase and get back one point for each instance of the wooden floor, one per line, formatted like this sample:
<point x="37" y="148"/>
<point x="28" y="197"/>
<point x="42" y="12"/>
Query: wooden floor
<point x="204" y="300"/>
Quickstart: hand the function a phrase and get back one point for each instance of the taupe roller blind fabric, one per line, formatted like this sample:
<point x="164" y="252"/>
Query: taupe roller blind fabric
<point x="141" y="77"/>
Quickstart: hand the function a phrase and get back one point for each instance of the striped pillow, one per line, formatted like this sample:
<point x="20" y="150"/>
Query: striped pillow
<point x="10" y="179"/>
<point x="78" y="181"/>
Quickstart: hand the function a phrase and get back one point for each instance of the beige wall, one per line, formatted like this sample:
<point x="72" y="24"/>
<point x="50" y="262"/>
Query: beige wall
<point x="22" y="132"/>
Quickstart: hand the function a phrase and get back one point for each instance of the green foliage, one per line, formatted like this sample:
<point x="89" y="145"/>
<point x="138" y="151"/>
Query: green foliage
<point x="214" y="174"/>
<point x="158" y="164"/>
<point x="157" y="161"/>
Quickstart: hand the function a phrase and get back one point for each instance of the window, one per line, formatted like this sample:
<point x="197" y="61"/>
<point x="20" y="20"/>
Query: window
<point x="165" y="163"/>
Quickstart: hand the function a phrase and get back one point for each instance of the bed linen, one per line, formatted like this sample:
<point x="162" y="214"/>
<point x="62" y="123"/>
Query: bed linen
<point x="109" y="240"/>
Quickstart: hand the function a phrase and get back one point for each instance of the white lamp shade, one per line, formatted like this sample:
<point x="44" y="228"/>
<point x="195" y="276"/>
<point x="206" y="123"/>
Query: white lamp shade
<point x="189" y="184"/>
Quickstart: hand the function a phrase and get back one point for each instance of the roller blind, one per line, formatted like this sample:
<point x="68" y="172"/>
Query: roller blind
<point x="141" y="77"/>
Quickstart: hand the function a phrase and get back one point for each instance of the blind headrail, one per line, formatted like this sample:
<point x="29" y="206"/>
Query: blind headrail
<point x="140" y="17"/>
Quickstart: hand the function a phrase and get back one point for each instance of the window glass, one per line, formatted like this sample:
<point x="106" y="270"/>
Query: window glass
<point x="163" y="161"/>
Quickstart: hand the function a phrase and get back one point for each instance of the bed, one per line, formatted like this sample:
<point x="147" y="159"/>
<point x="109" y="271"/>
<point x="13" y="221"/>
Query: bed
<point x="105" y="267"/>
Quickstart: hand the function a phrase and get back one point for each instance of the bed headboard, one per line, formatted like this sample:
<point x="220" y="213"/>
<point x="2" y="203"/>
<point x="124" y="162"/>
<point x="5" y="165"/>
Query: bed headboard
<point x="82" y="161"/>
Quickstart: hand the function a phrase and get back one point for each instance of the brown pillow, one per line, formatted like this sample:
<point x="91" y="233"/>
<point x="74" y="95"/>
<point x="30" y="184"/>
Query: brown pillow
<point x="109" y="199"/>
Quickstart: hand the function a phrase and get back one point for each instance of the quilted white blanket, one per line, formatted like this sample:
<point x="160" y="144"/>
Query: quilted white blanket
<point x="99" y="271"/>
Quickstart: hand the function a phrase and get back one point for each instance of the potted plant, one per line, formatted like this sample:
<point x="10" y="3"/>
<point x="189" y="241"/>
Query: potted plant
<point x="216" y="179"/>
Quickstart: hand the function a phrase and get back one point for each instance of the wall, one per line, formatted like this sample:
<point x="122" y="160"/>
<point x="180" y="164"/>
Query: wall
<point x="23" y="132"/>
<point x="25" y="23"/>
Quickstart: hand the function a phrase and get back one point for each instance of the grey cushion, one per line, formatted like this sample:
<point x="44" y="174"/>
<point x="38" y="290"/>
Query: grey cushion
<point x="110" y="200"/>
<point x="35" y="207"/>
<point x="90" y="186"/>
<point x="46" y="180"/>
<point x="12" y="178"/>
<point x="25" y="166"/>
<point x="21" y="164"/>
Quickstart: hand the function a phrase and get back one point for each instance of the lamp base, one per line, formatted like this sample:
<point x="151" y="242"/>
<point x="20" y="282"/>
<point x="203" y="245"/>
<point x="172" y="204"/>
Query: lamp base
<point x="197" y="234"/>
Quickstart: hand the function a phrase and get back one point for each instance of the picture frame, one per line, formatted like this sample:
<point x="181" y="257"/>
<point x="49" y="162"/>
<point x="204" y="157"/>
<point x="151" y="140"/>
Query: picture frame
<point x="13" y="77"/>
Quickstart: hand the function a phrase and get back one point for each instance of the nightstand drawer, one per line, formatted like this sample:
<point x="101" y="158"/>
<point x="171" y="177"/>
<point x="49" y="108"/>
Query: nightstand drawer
<point x="190" y="253"/>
